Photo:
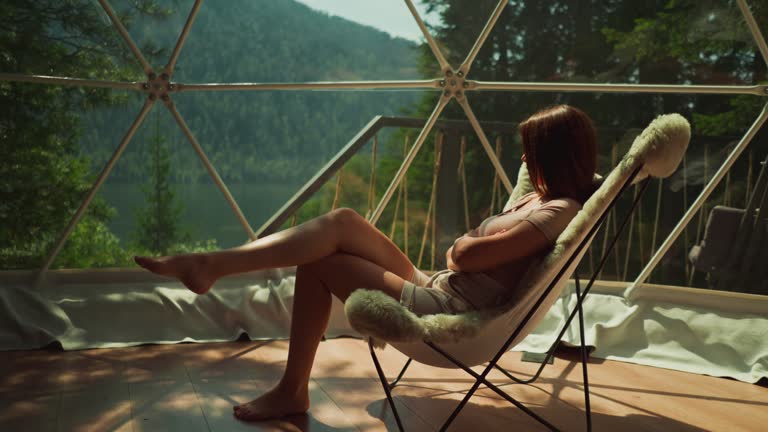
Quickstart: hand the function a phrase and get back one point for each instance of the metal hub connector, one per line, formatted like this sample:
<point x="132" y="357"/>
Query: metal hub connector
<point x="158" y="87"/>
<point x="454" y="83"/>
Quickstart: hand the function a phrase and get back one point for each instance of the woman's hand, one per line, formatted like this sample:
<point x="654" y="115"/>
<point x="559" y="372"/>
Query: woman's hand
<point x="449" y="260"/>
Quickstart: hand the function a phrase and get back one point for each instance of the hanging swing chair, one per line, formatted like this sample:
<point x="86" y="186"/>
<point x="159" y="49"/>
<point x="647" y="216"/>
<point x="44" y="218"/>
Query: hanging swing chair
<point x="734" y="249"/>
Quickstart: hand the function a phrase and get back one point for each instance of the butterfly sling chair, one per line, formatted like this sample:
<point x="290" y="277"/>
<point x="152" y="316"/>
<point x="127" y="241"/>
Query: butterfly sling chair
<point x="473" y="338"/>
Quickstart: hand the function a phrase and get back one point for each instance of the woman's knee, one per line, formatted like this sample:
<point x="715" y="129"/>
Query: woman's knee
<point x="345" y="217"/>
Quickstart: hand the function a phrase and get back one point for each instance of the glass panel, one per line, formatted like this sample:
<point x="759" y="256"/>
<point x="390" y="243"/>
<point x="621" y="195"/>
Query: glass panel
<point x="408" y="218"/>
<point x="721" y="248"/>
<point x="157" y="201"/>
<point x="292" y="42"/>
<point x="665" y="202"/>
<point x="449" y="215"/>
<point x="154" y="26"/>
<point x="760" y="13"/>
<point x="657" y="42"/>
<point x="267" y="145"/>
<point x="52" y="155"/>
<point x="704" y="42"/>
<point x="69" y="39"/>
<point x="390" y="16"/>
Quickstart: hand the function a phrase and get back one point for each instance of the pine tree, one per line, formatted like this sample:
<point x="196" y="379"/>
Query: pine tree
<point x="158" y="226"/>
<point x="44" y="174"/>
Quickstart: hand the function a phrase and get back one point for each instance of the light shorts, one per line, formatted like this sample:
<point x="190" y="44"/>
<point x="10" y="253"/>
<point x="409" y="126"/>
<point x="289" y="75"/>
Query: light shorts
<point x="422" y="295"/>
<point x="451" y="292"/>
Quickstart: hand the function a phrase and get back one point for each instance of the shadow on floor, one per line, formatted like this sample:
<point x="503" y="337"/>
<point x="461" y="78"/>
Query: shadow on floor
<point x="485" y="417"/>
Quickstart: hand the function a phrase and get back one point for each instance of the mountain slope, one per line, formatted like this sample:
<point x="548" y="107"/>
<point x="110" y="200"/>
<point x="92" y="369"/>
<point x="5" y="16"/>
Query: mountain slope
<point x="261" y="135"/>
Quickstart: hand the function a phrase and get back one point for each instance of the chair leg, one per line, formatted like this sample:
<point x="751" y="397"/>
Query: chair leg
<point x="481" y="379"/>
<point x="587" y="406"/>
<point x="550" y="354"/>
<point x="509" y="375"/>
<point x="400" y="375"/>
<point x="386" y="385"/>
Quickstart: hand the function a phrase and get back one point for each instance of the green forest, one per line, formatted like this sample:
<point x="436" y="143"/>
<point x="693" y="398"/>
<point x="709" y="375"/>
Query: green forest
<point x="57" y="139"/>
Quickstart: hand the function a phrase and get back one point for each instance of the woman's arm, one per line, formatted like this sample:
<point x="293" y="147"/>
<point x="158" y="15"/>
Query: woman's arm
<point x="474" y="254"/>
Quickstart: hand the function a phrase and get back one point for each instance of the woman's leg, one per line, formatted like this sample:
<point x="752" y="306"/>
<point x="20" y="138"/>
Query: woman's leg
<point x="341" y="230"/>
<point x="337" y="274"/>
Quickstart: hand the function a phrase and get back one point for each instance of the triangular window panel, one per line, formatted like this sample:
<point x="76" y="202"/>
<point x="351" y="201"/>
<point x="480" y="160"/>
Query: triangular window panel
<point x="54" y="151"/>
<point x="277" y="41"/>
<point x="57" y="39"/>
<point x="721" y="248"/>
<point x="705" y="43"/>
<point x="268" y="145"/>
<point x="158" y="200"/>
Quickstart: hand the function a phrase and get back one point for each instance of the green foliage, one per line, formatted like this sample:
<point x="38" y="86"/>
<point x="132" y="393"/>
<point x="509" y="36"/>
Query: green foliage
<point x="731" y="122"/>
<point x="193" y="247"/>
<point x="157" y="223"/>
<point x="92" y="245"/>
<point x="44" y="179"/>
<point x="687" y="32"/>
<point x="703" y="43"/>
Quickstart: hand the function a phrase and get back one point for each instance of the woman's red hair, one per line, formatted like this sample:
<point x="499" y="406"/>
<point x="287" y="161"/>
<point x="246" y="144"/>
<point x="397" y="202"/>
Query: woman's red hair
<point x="560" y="145"/>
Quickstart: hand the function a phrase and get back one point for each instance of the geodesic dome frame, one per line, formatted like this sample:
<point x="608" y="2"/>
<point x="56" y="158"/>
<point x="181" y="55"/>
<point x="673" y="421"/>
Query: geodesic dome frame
<point x="454" y="84"/>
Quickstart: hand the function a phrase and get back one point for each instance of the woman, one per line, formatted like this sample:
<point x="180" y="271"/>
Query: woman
<point x="340" y="252"/>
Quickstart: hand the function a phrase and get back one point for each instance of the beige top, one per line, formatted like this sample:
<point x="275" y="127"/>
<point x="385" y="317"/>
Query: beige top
<point x="495" y="286"/>
<point x="549" y="216"/>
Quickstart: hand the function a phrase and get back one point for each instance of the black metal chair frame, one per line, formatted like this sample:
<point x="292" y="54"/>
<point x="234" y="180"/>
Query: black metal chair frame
<point x="493" y="363"/>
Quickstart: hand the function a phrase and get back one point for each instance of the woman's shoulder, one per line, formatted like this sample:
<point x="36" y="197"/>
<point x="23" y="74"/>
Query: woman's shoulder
<point x="522" y="201"/>
<point x="554" y="215"/>
<point x="564" y="203"/>
<point x="525" y="198"/>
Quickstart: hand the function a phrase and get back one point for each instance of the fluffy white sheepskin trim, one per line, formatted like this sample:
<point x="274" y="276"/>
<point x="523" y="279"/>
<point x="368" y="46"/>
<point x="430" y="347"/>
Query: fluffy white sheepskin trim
<point x="661" y="146"/>
<point x="374" y="313"/>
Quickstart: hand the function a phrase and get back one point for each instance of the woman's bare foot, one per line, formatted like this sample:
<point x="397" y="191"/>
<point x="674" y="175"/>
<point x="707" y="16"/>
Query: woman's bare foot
<point x="192" y="270"/>
<point x="271" y="405"/>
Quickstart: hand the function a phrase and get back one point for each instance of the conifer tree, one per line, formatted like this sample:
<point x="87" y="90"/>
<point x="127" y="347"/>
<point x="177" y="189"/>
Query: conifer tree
<point x="157" y="228"/>
<point x="45" y="177"/>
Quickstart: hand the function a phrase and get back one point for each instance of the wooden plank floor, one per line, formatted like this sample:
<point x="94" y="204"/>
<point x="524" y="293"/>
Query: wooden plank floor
<point x="192" y="387"/>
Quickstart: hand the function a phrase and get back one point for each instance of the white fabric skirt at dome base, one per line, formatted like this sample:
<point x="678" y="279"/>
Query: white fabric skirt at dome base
<point x="716" y="333"/>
